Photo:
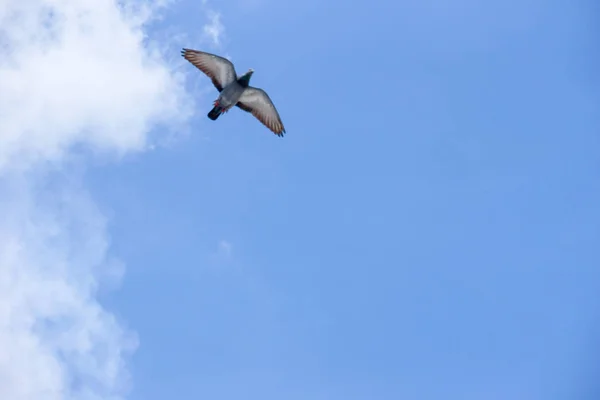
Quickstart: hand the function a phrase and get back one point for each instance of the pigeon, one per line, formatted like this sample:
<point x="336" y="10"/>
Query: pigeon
<point x="234" y="90"/>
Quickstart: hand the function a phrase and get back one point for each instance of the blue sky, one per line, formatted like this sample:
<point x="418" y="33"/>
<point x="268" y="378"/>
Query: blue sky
<point x="427" y="228"/>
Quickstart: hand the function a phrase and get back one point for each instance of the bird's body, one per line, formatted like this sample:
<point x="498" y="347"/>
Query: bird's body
<point x="229" y="97"/>
<point x="234" y="90"/>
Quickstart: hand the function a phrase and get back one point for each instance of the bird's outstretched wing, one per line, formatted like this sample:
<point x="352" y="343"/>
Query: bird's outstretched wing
<point x="220" y="70"/>
<point x="257" y="102"/>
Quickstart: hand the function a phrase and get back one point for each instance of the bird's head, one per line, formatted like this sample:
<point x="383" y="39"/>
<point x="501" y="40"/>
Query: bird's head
<point x="244" y="80"/>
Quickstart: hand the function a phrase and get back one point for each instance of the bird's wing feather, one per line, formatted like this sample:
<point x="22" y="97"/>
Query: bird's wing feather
<point x="257" y="102"/>
<point x="220" y="70"/>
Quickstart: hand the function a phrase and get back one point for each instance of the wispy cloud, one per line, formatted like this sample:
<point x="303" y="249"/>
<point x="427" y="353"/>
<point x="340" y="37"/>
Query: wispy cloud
<point x="214" y="29"/>
<point x="73" y="73"/>
<point x="225" y="248"/>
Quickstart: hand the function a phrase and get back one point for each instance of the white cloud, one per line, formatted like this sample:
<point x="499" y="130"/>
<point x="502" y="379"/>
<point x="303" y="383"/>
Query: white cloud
<point x="73" y="73"/>
<point x="79" y="71"/>
<point x="57" y="341"/>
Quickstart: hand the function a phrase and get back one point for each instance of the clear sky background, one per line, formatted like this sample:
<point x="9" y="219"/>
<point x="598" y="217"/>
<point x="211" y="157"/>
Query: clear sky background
<point x="428" y="228"/>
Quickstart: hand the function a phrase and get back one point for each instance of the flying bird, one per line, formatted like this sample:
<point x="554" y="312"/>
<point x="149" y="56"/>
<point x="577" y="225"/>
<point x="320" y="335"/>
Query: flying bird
<point x="234" y="90"/>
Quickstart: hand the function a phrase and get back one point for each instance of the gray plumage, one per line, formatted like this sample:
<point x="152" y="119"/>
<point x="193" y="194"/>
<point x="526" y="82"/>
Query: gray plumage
<point x="234" y="90"/>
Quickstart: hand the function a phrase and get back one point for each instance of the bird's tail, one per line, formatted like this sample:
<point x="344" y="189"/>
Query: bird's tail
<point x="216" y="111"/>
